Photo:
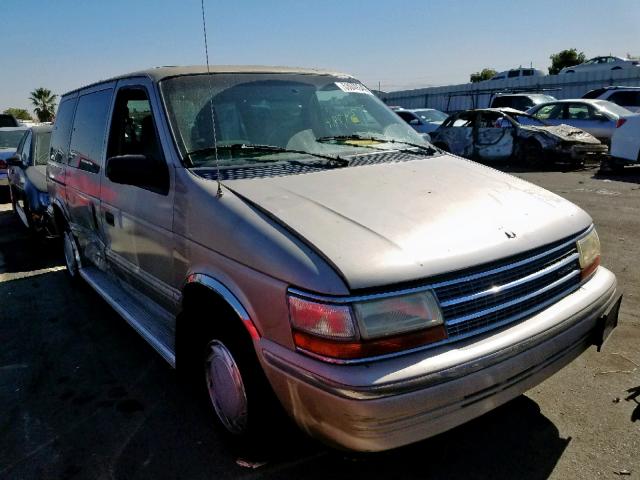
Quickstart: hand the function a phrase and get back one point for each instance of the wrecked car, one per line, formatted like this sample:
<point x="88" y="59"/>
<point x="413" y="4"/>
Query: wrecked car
<point x="280" y="235"/>
<point x="506" y="134"/>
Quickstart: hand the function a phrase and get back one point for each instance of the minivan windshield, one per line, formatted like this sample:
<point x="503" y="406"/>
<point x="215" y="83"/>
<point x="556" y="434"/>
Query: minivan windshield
<point x="319" y="114"/>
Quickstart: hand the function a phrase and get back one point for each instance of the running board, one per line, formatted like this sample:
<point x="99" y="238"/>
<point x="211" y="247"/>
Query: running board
<point x="152" y="322"/>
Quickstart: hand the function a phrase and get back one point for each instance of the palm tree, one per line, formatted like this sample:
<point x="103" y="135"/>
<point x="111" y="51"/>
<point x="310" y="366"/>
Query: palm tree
<point x="45" y="103"/>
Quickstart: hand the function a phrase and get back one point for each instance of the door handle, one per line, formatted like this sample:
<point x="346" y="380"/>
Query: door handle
<point x="109" y="218"/>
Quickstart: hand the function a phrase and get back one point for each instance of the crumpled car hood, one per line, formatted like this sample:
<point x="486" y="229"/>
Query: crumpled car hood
<point x="565" y="133"/>
<point x="390" y="223"/>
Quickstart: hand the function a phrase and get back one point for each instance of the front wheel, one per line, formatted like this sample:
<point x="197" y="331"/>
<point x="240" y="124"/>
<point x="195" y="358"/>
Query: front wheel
<point x="216" y="356"/>
<point x="531" y="154"/>
<point x="226" y="388"/>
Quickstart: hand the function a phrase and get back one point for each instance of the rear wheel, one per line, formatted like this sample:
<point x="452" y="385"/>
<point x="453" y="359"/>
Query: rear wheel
<point x="21" y="208"/>
<point x="12" y="198"/>
<point x="71" y="253"/>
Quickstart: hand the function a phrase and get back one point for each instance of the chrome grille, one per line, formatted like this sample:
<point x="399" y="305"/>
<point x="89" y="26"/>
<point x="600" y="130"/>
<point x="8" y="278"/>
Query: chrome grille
<point x="503" y="292"/>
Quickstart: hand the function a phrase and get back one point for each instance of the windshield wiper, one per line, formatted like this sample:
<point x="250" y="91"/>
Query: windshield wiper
<point x="342" y="138"/>
<point x="336" y="161"/>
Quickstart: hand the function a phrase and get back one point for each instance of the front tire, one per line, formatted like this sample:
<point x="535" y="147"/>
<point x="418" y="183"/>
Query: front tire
<point x="226" y="388"/>
<point x="531" y="154"/>
<point x="216" y="356"/>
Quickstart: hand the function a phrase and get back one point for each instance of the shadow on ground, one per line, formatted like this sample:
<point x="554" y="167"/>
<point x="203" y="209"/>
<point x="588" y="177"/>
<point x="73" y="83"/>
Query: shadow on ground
<point x="83" y="396"/>
<point x="628" y="174"/>
<point x="21" y="251"/>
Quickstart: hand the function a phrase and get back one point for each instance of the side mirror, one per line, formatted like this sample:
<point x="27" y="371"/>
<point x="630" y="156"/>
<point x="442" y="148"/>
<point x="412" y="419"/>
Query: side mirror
<point x="139" y="171"/>
<point x="15" y="161"/>
<point x="415" y="121"/>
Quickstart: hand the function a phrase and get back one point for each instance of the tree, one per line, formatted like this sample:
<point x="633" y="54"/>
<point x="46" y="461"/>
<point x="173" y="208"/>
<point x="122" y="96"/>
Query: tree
<point x="485" y="74"/>
<point x="565" y="58"/>
<point x="45" y="103"/>
<point x="19" y="113"/>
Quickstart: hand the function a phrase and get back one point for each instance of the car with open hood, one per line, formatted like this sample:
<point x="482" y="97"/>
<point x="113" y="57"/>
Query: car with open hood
<point x="499" y="134"/>
<point x="281" y="234"/>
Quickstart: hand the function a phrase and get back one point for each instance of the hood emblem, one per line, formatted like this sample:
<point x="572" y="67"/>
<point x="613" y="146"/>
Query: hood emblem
<point x="510" y="234"/>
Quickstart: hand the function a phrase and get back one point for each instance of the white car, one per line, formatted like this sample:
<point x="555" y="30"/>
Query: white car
<point x="601" y="63"/>
<point x="518" y="72"/>
<point x="625" y="143"/>
<point x="627" y="97"/>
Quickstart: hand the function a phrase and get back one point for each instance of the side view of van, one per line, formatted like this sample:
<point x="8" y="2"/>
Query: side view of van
<point x="279" y="233"/>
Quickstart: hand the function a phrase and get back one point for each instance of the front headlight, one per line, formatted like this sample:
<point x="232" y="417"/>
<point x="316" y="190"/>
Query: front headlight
<point x="589" y="250"/>
<point x="362" y="329"/>
<point x="397" y="315"/>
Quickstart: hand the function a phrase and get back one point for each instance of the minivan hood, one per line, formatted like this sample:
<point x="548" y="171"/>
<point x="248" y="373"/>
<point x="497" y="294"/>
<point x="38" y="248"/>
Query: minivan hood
<point x="390" y="223"/>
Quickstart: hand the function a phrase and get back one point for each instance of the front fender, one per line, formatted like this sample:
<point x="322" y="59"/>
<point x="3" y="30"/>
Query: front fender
<point x="227" y="295"/>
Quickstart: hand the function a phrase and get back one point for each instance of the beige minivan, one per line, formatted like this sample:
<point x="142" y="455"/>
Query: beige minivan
<point x="280" y="233"/>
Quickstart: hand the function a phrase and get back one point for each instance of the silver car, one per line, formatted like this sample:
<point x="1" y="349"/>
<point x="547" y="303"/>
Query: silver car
<point x="597" y="117"/>
<point x="281" y="234"/>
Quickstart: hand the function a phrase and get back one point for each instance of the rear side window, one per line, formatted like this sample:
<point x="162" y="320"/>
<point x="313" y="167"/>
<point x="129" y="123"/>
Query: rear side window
<point x="406" y="116"/>
<point x="523" y="103"/>
<point x="549" y="112"/>
<point x="61" y="131"/>
<point x="501" y="102"/>
<point x="89" y="127"/>
<point x="578" y="111"/>
<point x="41" y="151"/>
<point x="626" y="99"/>
<point x="594" y="93"/>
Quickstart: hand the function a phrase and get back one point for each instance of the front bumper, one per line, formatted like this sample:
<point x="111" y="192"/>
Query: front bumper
<point x="588" y="152"/>
<point x="394" y="402"/>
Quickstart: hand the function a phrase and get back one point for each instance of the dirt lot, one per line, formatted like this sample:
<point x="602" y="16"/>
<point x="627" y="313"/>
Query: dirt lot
<point x="82" y="396"/>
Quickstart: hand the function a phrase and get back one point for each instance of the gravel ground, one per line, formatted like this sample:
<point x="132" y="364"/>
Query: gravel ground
<point x="82" y="396"/>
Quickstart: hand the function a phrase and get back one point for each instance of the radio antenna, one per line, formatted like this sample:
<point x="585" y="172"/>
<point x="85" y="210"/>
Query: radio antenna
<point x="213" y="119"/>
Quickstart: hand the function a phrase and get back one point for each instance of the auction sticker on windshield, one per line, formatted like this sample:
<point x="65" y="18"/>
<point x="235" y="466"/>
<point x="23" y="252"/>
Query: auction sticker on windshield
<point x="353" y="88"/>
